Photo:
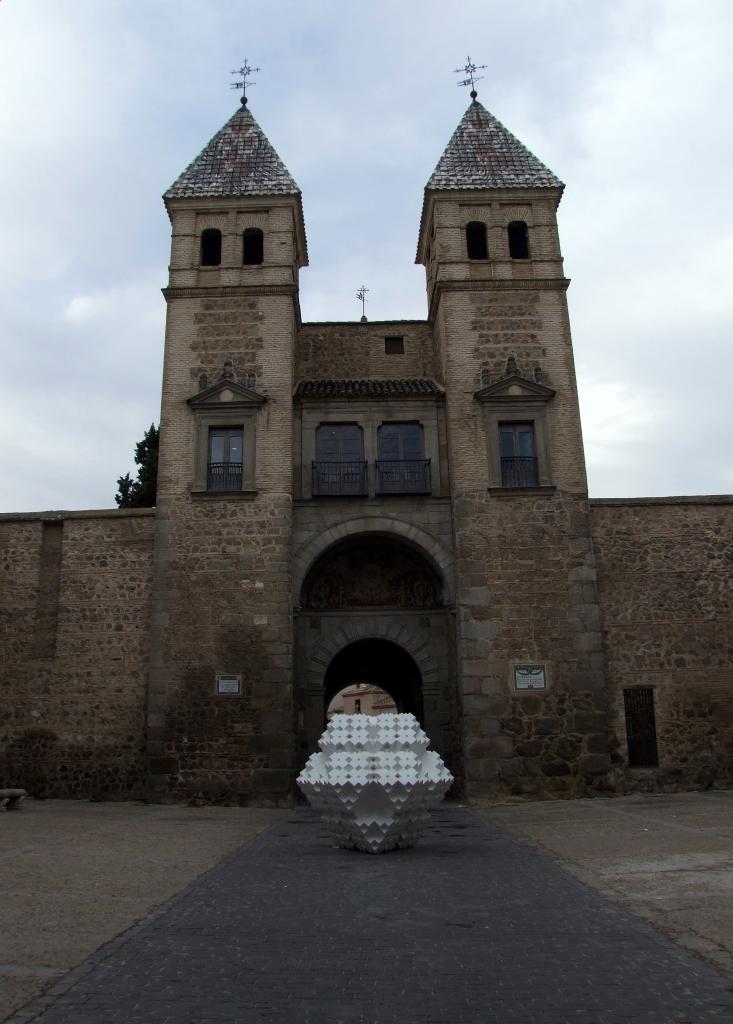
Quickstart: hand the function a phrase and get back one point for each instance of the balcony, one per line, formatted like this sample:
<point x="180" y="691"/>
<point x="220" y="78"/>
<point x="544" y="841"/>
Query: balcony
<point x="224" y="476"/>
<point x="404" y="476"/>
<point x="339" y="478"/>
<point x="519" y="471"/>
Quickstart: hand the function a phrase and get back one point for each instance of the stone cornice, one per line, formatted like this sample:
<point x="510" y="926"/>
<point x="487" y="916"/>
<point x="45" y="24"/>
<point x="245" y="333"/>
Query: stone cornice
<point x="681" y="499"/>
<point x="199" y="292"/>
<point x="496" y="284"/>
<point x="57" y="515"/>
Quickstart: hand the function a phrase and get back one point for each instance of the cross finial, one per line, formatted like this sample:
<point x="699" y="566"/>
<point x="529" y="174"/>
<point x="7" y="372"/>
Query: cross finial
<point x="361" y="296"/>
<point x="244" y="72"/>
<point x="471" y="78"/>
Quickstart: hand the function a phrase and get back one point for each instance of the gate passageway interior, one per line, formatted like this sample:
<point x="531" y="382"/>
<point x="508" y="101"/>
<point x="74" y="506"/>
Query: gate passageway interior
<point x="381" y="663"/>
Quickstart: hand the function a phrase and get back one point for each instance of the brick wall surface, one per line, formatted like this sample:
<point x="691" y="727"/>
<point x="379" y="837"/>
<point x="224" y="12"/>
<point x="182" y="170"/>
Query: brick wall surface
<point x="665" y="572"/>
<point x="222" y="599"/>
<point x="351" y="351"/>
<point x="75" y="614"/>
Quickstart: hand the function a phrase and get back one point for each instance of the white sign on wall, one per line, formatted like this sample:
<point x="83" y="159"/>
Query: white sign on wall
<point x="529" y="677"/>
<point x="228" y="685"/>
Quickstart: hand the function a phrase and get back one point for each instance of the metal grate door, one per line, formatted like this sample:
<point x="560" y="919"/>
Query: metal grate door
<point x="641" y="728"/>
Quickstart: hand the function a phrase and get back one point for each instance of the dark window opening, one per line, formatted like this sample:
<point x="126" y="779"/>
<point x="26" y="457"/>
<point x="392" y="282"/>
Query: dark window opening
<point x="357" y="706"/>
<point x="225" y="459"/>
<point x="211" y="247"/>
<point x="518" y="240"/>
<point x="641" y="727"/>
<point x="252" y="247"/>
<point x="401" y="466"/>
<point x="476" y="245"/>
<point x="518" y="456"/>
<point x="339" y="467"/>
<point x="394" y="346"/>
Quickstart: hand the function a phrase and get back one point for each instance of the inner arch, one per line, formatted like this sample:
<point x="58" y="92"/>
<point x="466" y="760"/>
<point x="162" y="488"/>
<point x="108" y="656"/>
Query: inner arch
<point x="381" y="663"/>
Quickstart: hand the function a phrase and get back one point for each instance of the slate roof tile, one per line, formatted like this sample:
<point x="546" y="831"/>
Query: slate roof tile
<point x="238" y="161"/>
<point x="482" y="153"/>
<point x="366" y="388"/>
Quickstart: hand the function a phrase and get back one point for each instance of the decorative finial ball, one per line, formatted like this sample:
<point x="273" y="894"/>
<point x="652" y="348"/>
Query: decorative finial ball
<point x="474" y="94"/>
<point x="243" y="101"/>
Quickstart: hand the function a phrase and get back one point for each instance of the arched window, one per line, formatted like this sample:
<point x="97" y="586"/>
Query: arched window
<point x="518" y="240"/>
<point x="476" y="246"/>
<point x="210" y="247"/>
<point x="252" y="247"/>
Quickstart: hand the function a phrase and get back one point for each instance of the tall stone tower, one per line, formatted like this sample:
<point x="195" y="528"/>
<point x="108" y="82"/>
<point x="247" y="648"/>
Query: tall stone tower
<point x="220" y="703"/>
<point x="529" y="652"/>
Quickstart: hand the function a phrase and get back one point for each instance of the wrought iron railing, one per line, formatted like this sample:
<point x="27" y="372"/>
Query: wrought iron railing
<point x="224" y="476"/>
<point x="403" y="476"/>
<point x="339" y="478"/>
<point x="519" y="471"/>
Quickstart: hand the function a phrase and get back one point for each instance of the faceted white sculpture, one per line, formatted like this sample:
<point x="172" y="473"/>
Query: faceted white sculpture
<point x="374" y="780"/>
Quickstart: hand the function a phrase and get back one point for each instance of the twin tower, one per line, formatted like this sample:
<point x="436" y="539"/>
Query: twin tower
<point x="400" y="504"/>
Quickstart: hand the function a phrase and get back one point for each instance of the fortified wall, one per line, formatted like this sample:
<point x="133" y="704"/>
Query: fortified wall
<point x="75" y="605"/>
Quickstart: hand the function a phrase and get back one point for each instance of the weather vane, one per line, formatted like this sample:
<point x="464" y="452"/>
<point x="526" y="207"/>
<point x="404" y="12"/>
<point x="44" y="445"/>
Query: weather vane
<point x="244" y="72"/>
<point x="361" y="296"/>
<point x="471" y="77"/>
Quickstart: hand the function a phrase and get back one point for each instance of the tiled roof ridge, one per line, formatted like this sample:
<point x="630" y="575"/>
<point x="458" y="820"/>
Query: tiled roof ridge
<point x="483" y="153"/>
<point x="361" y="386"/>
<point x="239" y="160"/>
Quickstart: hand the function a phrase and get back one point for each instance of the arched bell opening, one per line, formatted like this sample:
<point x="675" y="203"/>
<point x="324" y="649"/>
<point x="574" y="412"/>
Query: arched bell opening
<point x="380" y="663"/>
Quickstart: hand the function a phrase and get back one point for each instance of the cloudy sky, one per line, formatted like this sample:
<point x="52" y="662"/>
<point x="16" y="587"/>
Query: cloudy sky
<point x="104" y="102"/>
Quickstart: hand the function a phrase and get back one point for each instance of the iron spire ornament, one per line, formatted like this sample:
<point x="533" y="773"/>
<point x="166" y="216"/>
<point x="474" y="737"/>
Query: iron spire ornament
<point x="361" y="296"/>
<point x="471" y="78"/>
<point x="244" y="72"/>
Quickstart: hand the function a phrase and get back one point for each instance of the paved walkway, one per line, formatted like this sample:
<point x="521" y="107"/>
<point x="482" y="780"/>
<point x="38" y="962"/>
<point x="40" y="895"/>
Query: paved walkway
<point x="470" y="926"/>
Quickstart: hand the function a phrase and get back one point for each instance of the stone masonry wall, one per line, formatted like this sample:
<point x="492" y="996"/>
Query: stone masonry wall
<point x="349" y="351"/>
<point x="525" y="573"/>
<point x="75" y="609"/>
<point x="665" y="572"/>
<point x="222" y="577"/>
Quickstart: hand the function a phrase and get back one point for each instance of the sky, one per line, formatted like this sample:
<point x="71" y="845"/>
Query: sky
<point x="104" y="102"/>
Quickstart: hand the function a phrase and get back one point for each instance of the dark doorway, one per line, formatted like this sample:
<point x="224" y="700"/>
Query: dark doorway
<point x="380" y="663"/>
<point x="641" y="728"/>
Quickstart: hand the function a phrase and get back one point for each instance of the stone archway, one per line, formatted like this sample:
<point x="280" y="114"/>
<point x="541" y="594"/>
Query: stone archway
<point x="433" y="552"/>
<point x="373" y="606"/>
<point x="381" y="663"/>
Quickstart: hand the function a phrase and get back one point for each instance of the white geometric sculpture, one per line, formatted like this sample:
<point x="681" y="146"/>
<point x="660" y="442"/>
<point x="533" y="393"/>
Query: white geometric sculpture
<point x="374" y="780"/>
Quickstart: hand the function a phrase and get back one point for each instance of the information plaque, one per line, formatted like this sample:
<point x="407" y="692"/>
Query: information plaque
<point x="228" y="685"/>
<point x="529" y="677"/>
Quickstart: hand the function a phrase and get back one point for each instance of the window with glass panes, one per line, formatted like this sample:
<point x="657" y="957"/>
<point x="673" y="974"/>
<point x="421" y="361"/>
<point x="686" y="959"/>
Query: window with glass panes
<point x="518" y="456"/>
<point x="401" y="465"/>
<point x="225" y="459"/>
<point x="339" y="467"/>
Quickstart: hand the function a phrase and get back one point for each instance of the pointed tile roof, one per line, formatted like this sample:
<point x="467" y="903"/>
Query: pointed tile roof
<point x="482" y="153"/>
<point x="238" y="161"/>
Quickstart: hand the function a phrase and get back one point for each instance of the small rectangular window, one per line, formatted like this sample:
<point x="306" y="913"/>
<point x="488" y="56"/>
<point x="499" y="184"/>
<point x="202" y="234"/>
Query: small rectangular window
<point x="518" y="456"/>
<point x="225" y="459"/>
<point x="394" y="346"/>
<point x="641" y="726"/>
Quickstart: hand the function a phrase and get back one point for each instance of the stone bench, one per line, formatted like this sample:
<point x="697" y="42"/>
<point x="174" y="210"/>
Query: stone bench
<point x="11" y="799"/>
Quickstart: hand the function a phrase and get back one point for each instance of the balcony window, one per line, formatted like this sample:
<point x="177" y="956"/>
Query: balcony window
<point x="401" y="465"/>
<point x="224" y="470"/>
<point x="518" y="455"/>
<point x="339" y="467"/>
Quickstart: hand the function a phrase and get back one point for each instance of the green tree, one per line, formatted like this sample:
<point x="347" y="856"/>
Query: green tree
<point x="141" y="493"/>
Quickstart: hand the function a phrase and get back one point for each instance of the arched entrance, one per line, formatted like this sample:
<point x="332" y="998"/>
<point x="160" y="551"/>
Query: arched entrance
<point x="381" y="663"/>
<point x="371" y="610"/>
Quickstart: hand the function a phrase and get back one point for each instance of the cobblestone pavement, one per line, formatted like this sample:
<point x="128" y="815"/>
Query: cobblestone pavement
<point x="469" y="926"/>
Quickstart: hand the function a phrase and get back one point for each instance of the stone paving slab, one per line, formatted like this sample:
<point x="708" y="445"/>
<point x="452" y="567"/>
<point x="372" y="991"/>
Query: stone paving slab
<point x="470" y="926"/>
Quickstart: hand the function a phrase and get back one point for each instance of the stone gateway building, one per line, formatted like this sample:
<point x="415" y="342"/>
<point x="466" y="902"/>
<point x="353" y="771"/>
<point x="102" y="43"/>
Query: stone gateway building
<point x="401" y="504"/>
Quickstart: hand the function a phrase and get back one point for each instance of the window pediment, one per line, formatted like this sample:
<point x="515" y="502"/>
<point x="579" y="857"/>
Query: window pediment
<point x="226" y="394"/>
<point x="514" y="389"/>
